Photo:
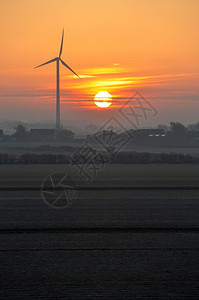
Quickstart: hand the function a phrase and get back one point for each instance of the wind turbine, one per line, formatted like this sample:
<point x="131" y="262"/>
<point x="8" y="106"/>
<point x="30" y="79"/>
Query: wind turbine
<point x="58" y="60"/>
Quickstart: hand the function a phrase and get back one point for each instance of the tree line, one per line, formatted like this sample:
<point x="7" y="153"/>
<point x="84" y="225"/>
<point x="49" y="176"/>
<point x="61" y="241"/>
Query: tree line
<point x="120" y="158"/>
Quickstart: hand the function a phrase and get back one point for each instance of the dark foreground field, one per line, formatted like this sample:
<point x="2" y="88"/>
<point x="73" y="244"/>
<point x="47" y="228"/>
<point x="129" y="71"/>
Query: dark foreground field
<point x="137" y="240"/>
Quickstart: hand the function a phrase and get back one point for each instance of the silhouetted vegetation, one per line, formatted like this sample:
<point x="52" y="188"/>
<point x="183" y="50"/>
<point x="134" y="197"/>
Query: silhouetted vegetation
<point x="33" y="158"/>
<point x="120" y="158"/>
<point x="151" y="158"/>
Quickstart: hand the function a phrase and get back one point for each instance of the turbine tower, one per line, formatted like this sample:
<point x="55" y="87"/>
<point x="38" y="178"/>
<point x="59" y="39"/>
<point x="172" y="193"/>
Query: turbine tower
<point x="58" y="60"/>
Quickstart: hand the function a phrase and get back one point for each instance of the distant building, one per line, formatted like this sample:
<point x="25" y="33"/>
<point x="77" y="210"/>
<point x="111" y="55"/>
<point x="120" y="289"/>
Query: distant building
<point x="150" y="132"/>
<point x="1" y="135"/>
<point x="150" y="136"/>
<point x="42" y="134"/>
<point x="64" y="135"/>
<point x="193" y="134"/>
<point x="193" y="137"/>
<point x="106" y="137"/>
<point x="79" y="139"/>
<point x="49" y="135"/>
<point x="143" y="136"/>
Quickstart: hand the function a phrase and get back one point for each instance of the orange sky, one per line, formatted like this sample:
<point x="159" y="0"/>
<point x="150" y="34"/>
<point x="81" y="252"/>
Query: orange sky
<point x="118" y="46"/>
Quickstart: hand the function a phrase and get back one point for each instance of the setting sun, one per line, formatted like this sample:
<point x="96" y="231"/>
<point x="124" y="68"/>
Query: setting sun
<point x="103" y="99"/>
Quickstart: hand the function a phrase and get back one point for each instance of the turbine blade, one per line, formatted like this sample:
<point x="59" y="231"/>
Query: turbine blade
<point x="60" y="52"/>
<point x="48" y="62"/>
<point x="63" y="63"/>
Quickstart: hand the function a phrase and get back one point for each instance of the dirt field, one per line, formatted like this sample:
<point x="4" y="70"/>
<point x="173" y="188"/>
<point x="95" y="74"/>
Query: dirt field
<point x="108" y="244"/>
<point x="110" y="175"/>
